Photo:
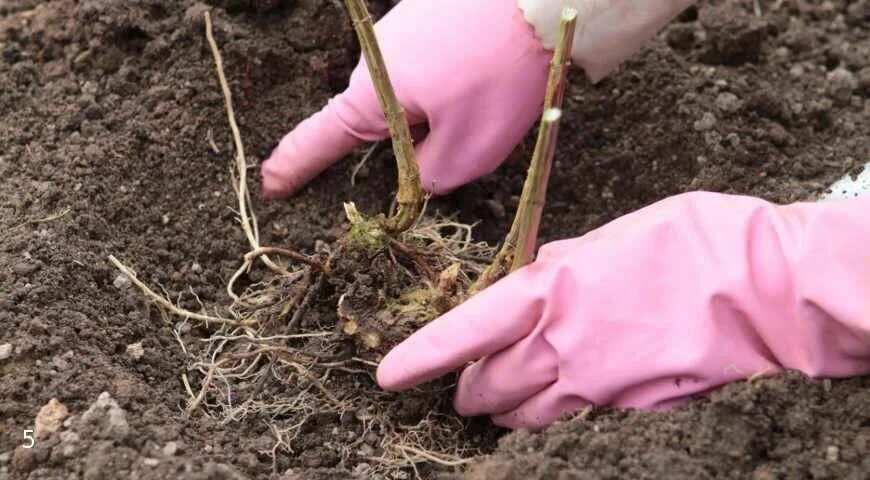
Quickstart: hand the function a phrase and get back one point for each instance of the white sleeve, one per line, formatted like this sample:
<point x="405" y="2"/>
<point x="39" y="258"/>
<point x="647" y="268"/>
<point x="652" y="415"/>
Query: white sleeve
<point x="849" y="186"/>
<point x="608" y="31"/>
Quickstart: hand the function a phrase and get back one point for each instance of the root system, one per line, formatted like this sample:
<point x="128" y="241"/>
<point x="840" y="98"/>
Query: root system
<point x="384" y="279"/>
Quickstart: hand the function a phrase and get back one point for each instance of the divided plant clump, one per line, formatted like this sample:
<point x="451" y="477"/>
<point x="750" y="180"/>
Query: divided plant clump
<point x="385" y="278"/>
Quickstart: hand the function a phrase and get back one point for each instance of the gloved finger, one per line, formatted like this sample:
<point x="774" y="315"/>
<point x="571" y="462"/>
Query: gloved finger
<point x="502" y="381"/>
<point x="541" y="410"/>
<point x="466" y="144"/>
<point x="454" y="154"/>
<point x="349" y="119"/>
<point x="305" y="152"/>
<point x="485" y="324"/>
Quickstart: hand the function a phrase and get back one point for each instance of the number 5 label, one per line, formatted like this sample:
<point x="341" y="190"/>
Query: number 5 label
<point x="28" y="439"/>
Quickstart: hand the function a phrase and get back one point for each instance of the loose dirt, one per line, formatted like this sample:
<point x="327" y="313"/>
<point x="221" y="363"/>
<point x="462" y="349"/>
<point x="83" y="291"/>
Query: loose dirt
<point x="113" y="140"/>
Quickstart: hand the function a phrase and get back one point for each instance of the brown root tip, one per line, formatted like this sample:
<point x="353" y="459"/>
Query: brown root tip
<point x="447" y="278"/>
<point x="350" y="327"/>
<point x="370" y="339"/>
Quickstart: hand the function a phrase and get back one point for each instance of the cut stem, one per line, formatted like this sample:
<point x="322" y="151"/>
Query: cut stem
<point x="561" y="61"/>
<point x="409" y="196"/>
<point x="519" y="245"/>
<point x="534" y="194"/>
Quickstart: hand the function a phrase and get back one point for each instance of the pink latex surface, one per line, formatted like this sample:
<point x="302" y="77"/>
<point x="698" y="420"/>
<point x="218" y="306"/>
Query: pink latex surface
<point x="673" y="300"/>
<point x="473" y="70"/>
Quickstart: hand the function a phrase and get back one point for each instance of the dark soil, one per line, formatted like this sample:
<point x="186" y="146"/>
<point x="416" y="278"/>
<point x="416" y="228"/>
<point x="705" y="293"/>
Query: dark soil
<point x="106" y="111"/>
<point x="781" y="428"/>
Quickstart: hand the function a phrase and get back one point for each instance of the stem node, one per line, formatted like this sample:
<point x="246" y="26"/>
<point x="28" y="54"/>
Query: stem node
<point x="409" y="196"/>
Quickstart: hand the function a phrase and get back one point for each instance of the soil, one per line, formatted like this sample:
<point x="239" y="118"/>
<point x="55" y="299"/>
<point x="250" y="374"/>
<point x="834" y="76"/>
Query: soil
<point x="108" y="110"/>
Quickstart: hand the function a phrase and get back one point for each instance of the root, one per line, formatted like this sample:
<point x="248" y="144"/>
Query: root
<point x="267" y="360"/>
<point x="262" y="251"/>
<point x="47" y="219"/>
<point x="434" y="440"/>
<point x="433" y="456"/>
<point x="194" y="404"/>
<point x="163" y="302"/>
<point x="362" y="163"/>
<point x="302" y="306"/>
<point x="415" y="256"/>
<point x="246" y="214"/>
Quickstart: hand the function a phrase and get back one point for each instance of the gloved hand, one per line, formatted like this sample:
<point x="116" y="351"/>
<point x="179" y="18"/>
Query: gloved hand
<point x="474" y="71"/>
<point x="673" y="300"/>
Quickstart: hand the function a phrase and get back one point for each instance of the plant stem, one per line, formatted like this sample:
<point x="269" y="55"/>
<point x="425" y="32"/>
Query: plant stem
<point x="534" y="194"/>
<point x="519" y="245"/>
<point x="409" y="197"/>
<point x="557" y="79"/>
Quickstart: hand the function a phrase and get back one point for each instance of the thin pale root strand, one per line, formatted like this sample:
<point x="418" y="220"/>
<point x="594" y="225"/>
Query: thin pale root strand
<point x="163" y="302"/>
<point x="246" y="214"/>
<point x="299" y="257"/>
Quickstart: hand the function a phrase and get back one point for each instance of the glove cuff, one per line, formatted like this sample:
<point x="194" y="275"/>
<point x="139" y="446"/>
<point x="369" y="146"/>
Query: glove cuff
<point x="608" y="31"/>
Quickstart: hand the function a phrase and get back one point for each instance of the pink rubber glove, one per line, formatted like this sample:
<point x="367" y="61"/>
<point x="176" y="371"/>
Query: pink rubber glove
<point x="474" y="70"/>
<point x="673" y="300"/>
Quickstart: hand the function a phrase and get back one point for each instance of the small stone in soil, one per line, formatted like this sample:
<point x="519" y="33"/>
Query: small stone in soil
<point x="50" y="418"/>
<point x="69" y="442"/>
<point x="5" y="351"/>
<point x="727" y="102"/>
<point x="706" y="122"/>
<point x="797" y="71"/>
<point x="24" y="268"/>
<point x="170" y="449"/>
<point x="195" y="14"/>
<point x="135" y="350"/>
<point x="832" y="453"/>
<point x="495" y="208"/>
<point x="62" y="362"/>
<point x="121" y="282"/>
<point x="841" y="84"/>
<point x="108" y="418"/>
<point x="733" y="139"/>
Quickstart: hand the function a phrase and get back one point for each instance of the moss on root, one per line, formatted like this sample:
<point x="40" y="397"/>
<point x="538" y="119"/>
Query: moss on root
<point x="386" y="287"/>
<point x="365" y="233"/>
